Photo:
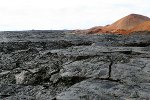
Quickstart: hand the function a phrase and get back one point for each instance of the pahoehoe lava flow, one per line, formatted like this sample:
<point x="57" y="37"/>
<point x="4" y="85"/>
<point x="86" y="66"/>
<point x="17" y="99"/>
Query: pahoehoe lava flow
<point x="59" y="65"/>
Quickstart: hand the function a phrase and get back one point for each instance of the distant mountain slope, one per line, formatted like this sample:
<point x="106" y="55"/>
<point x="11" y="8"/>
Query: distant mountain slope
<point x="145" y="26"/>
<point x="128" y="22"/>
<point x="122" y="26"/>
<point x="125" y="25"/>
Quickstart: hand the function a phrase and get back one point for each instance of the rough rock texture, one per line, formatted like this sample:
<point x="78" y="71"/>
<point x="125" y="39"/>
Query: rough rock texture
<point x="56" y="65"/>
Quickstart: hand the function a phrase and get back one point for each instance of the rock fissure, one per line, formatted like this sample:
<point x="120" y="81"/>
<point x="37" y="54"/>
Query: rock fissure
<point x="110" y="69"/>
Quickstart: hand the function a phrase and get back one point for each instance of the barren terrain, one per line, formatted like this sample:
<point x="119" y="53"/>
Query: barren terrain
<point x="57" y="65"/>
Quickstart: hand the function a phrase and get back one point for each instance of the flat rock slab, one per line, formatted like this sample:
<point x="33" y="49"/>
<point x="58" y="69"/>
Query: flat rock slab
<point x="97" y="50"/>
<point x="95" y="89"/>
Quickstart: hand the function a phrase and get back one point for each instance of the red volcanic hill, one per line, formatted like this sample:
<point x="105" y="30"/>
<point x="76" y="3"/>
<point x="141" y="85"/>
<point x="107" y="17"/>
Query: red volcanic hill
<point x="121" y="26"/>
<point x="96" y="29"/>
<point x="92" y="30"/>
<point x="145" y="26"/>
<point x="128" y="22"/>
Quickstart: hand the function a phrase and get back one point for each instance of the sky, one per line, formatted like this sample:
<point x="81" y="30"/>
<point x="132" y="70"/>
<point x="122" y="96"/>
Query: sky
<point x="66" y="14"/>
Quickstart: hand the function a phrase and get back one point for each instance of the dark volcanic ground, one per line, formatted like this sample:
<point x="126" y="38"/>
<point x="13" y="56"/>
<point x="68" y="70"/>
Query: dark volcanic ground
<point x="57" y="65"/>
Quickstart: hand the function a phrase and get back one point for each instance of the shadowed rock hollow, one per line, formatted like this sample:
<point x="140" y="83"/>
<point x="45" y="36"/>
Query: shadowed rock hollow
<point x="57" y="65"/>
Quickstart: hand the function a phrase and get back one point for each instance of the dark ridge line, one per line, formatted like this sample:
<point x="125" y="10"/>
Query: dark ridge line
<point x="110" y="79"/>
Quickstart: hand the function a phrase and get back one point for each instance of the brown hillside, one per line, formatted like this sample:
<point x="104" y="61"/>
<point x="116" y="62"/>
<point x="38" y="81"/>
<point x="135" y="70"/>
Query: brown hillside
<point x="128" y="22"/>
<point x="96" y="29"/>
<point x="145" y="26"/>
<point x="122" y="26"/>
<point x="92" y="30"/>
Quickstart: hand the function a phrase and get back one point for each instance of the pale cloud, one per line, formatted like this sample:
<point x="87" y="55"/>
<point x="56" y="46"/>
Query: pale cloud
<point x="66" y="14"/>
